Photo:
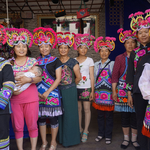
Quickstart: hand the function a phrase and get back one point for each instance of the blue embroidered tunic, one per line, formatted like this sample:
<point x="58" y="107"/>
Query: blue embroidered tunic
<point x="52" y="105"/>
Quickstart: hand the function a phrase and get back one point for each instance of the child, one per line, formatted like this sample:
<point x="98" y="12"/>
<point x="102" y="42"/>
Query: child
<point x="34" y="71"/>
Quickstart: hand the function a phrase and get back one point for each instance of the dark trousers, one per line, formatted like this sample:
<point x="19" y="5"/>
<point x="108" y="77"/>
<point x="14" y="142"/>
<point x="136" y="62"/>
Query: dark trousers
<point x="105" y="130"/>
<point x="140" y="108"/>
<point x="53" y="121"/>
<point x="4" y="131"/>
<point x="128" y="119"/>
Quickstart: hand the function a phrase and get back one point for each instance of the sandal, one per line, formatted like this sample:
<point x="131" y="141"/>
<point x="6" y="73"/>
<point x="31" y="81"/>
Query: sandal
<point x="107" y="141"/>
<point x="136" y="147"/>
<point x="125" y="146"/>
<point x="98" y="138"/>
<point x="81" y="131"/>
<point x="43" y="147"/>
<point x="84" y="137"/>
<point x="53" y="147"/>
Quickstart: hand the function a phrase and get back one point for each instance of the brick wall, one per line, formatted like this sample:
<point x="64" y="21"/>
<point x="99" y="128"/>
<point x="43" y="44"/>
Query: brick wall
<point x="31" y="24"/>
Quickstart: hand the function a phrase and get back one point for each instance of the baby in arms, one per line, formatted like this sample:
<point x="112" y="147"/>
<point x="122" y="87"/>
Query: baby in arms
<point x="34" y="71"/>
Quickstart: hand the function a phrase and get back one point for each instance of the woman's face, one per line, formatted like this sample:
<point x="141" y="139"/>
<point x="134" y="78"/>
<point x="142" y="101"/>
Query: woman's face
<point x="45" y="49"/>
<point x="82" y="50"/>
<point x="104" y="53"/>
<point x="63" y="50"/>
<point x="129" y="45"/>
<point x="143" y="36"/>
<point x="20" y="50"/>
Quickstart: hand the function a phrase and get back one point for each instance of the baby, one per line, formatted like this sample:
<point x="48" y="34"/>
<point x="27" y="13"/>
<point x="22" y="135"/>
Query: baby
<point x="34" y="71"/>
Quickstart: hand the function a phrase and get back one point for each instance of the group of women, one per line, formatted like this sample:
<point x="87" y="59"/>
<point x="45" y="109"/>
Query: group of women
<point x="67" y="84"/>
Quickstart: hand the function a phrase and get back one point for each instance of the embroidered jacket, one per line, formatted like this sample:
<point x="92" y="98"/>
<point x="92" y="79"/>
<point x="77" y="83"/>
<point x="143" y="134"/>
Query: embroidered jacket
<point x="6" y="84"/>
<point x="139" y="56"/>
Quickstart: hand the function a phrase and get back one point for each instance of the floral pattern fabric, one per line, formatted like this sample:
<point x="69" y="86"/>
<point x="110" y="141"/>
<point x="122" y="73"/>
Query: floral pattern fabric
<point x="85" y="82"/>
<point x="84" y="94"/>
<point x="53" y="98"/>
<point x="29" y="63"/>
<point x="147" y="116"/>
<point x="103" y="88"/>
<point x="138" y="53"/>
<point x="66" y="76"/>
<point x="121" y="87"/>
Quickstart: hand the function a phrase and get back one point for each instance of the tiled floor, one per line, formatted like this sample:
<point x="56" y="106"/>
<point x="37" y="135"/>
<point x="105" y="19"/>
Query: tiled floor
<point x="90" y="144"/>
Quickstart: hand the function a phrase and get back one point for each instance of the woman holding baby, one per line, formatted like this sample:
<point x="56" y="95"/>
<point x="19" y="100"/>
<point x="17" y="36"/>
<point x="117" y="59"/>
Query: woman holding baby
<point x="24" y="104"/>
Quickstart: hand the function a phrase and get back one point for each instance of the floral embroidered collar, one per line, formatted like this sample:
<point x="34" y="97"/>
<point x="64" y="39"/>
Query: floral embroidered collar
<point x="46" y="59"/>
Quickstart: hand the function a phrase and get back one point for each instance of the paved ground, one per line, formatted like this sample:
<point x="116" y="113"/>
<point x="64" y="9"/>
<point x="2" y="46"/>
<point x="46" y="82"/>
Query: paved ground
<point x="90" y="144"/>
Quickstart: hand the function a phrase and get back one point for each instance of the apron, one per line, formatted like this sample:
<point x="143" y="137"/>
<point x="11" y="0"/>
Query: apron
<point x="146" y="123"/>
<point x="103" y="88"/>
<point x="122" y="97"/>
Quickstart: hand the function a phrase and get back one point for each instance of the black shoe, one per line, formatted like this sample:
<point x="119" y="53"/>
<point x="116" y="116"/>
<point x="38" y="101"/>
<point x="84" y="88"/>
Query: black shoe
<point x="125" y="146"/>
<point x="108" y="141"/>
<point x="136" y="147"/>
<point x="98" y="138"/>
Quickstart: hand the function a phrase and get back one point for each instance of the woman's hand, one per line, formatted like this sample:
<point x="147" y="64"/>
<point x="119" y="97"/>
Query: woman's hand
<point x="16" y="92"/>
<point x="130" y="101"/>
<point x="114" y="96"/>
<point x="45" y="95"/>
<point x="92" y="96"/>
<point x="40" y="96"/>
<point x="22" y="80"/>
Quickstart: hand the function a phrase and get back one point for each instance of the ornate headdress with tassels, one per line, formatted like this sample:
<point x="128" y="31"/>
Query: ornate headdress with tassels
<point x="44" y="36"/>
<point x="108" y="43"/>
<point x="16" y="36"/>
<point x="3" y="36"/>
<point x="66" y="38"/>
<point x="125" y="35"/>
<point x="83" y="39"/>
<point x="138" y="21"/>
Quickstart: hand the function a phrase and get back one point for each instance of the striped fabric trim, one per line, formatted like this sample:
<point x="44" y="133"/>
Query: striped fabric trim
<point x="4" y="144"/>
<point x="5" y="93"/>
<point x="9" y="84"/>
<point x="2" y="64"/>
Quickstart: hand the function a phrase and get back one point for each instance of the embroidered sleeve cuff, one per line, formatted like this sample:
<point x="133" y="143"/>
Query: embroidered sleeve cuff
<point x="6" y="93"/>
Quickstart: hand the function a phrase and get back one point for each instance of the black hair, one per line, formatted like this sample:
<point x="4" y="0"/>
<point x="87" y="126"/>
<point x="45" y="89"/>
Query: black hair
<point x="40" y="70"/>
<point x="60" y="45"/>
<point x="107" y="48"/>
<point x="15" y="56"/>
<point x="134" y="40"/>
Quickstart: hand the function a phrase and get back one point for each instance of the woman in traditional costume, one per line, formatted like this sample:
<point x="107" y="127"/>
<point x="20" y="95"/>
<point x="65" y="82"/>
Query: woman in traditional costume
<point x="85" y="87"/>
<point x="69" y="133"/>
<point x="138" y="57"/>
<point x="128" y="116"/>
<point x="144" y="85"/>
<point x="24" y="104"/>
<point x="50" y="105"/>
<point x="103" y="88"/>
<point x="7" y="87"/>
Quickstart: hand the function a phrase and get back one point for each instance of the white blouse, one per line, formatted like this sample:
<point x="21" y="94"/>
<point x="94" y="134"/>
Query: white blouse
<point x="144" y="82"/>
<point x="85" y="82"/>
